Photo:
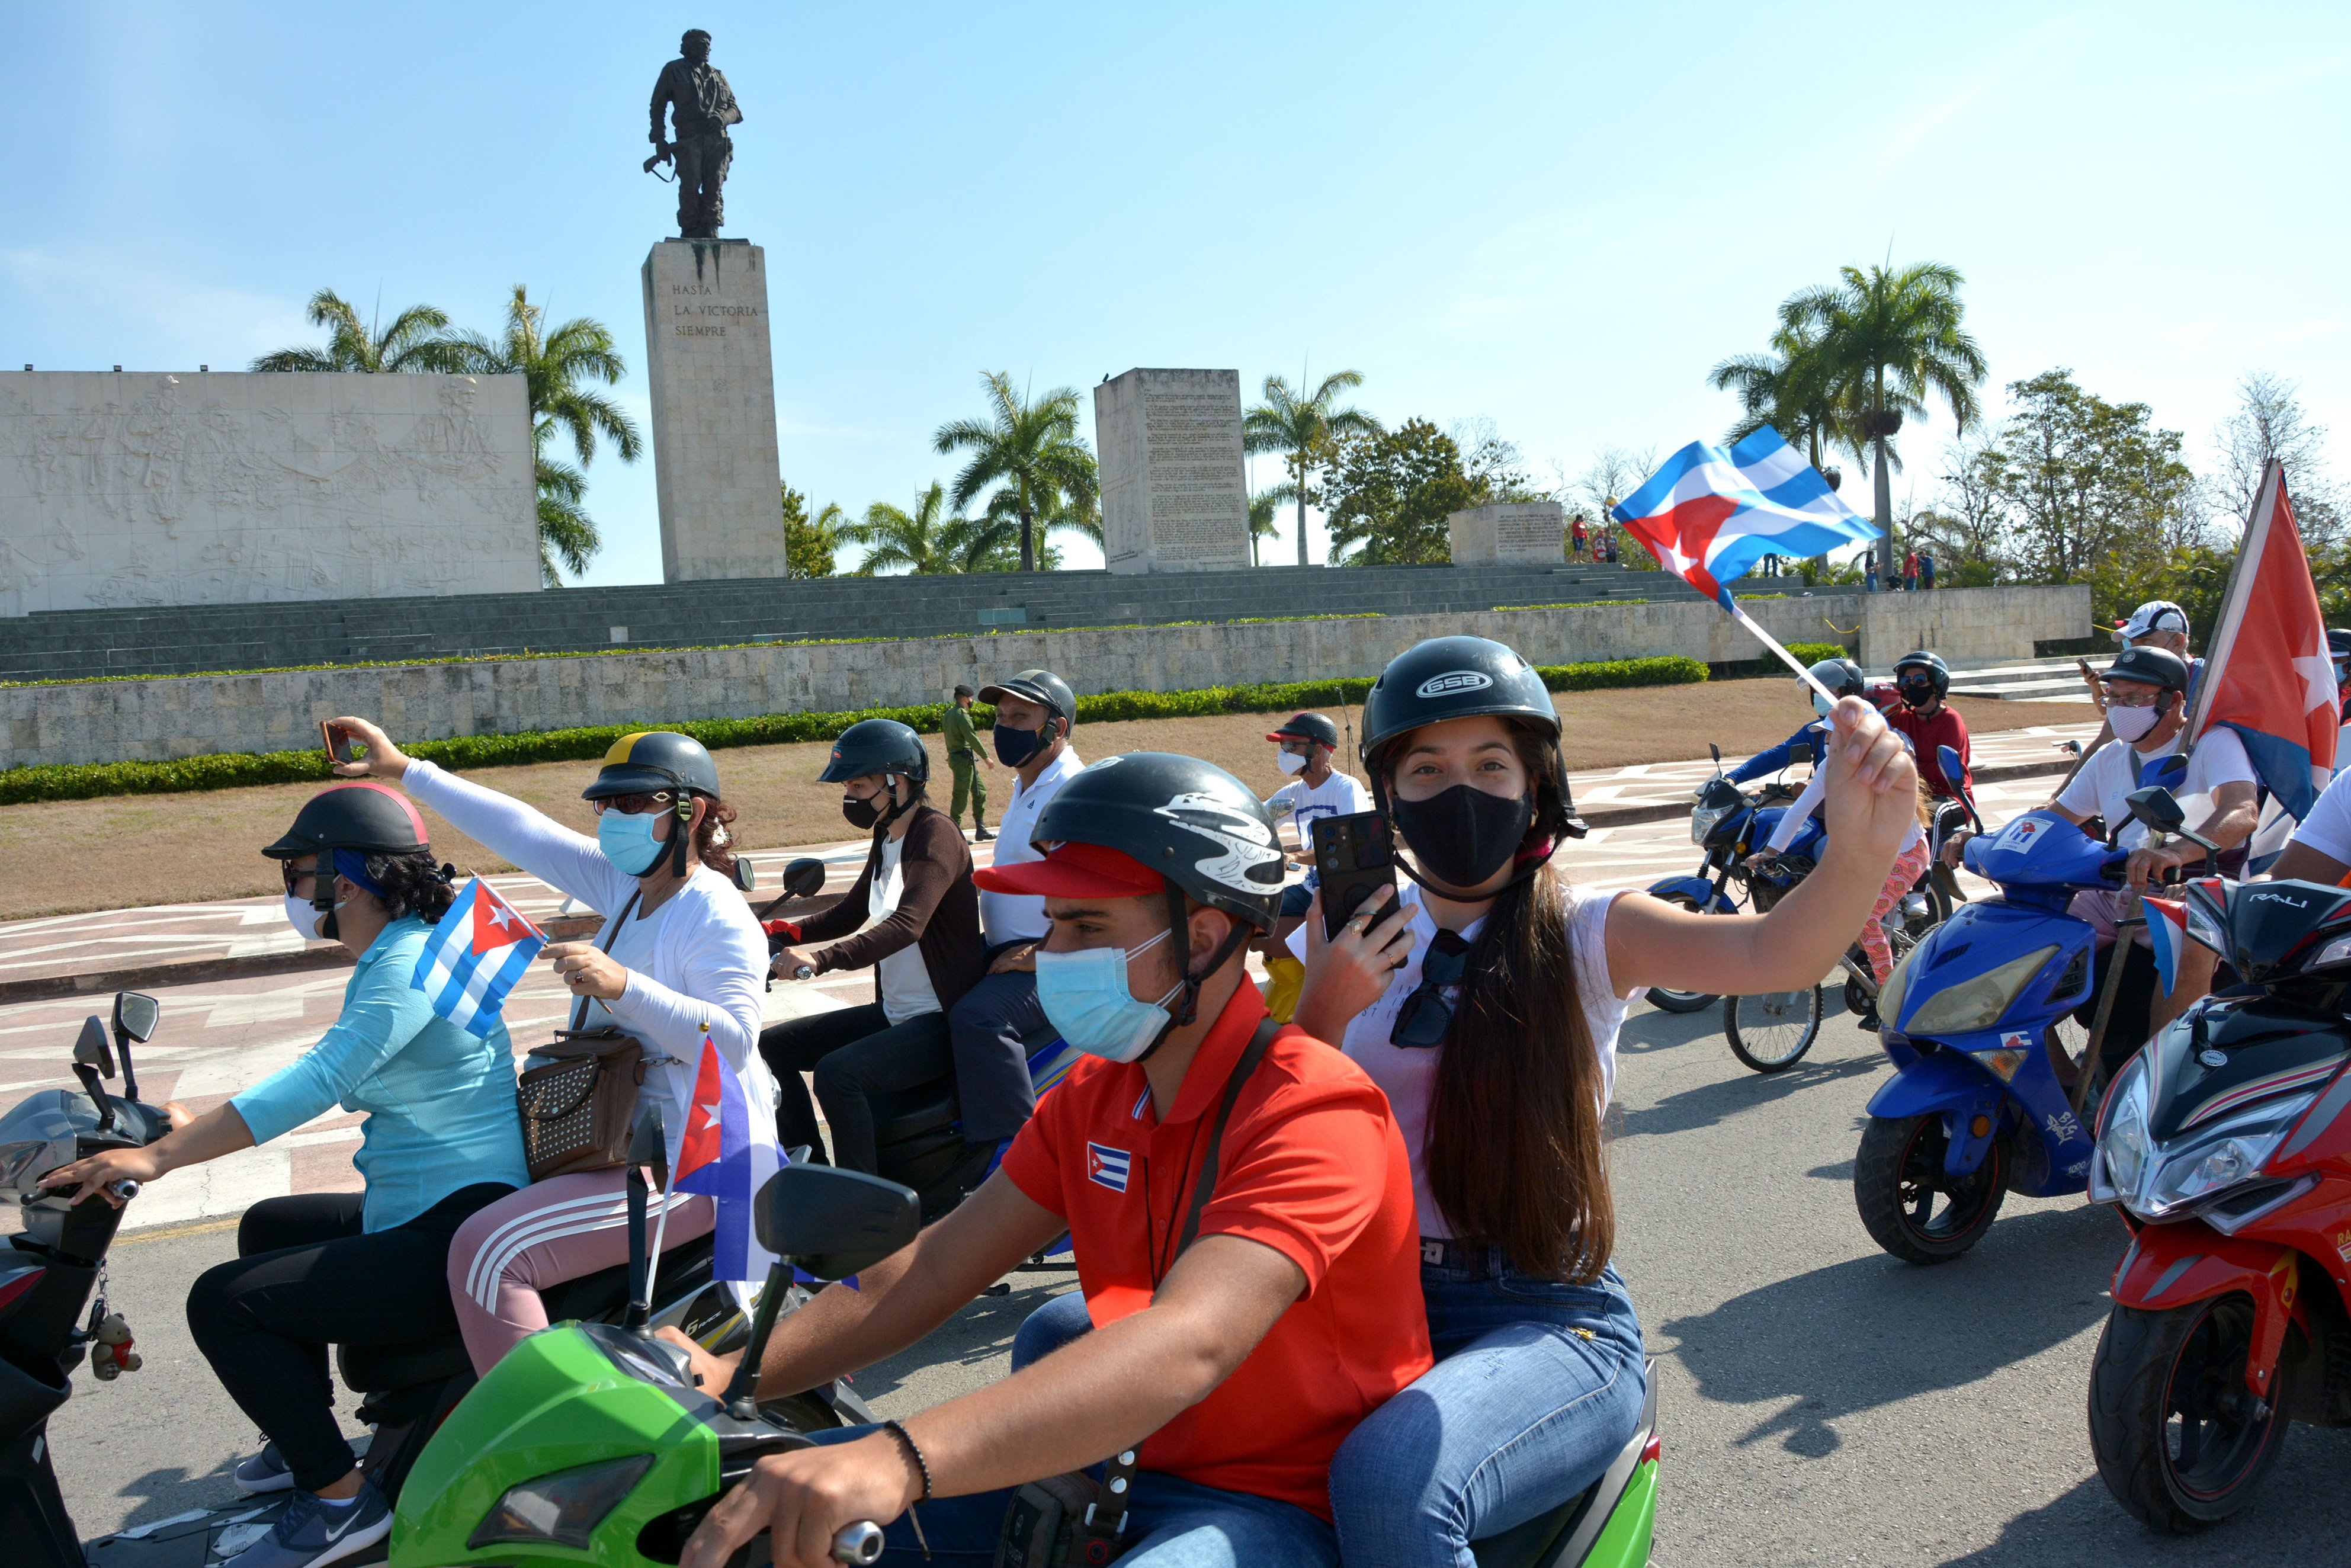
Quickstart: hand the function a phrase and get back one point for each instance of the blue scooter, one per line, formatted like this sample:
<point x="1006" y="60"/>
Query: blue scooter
<point x="1975" y="1109"/>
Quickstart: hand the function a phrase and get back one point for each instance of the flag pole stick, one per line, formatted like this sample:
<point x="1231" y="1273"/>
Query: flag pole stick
<point x="1787" y="658"/>
<point x="661" y="1229"/>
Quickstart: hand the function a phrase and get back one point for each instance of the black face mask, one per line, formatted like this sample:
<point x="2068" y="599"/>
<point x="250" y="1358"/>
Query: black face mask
<point x="1918" y="694"/>
<point x="1015" y="746"/>
<point x="1461" y="836"/>
<point x="862" y="814"/>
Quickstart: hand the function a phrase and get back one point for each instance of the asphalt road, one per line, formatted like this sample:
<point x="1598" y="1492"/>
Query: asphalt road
<point x="1823" y="1403"/>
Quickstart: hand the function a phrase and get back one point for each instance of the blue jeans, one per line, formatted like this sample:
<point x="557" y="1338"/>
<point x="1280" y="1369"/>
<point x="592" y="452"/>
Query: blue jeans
<point x="1536" y="1386"/>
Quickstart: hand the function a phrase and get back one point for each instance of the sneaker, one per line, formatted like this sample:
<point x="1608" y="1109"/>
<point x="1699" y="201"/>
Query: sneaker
<point x="313" y="1532"/>
<point x="265" y="1471"/>
<point x="1866" y="1022"/>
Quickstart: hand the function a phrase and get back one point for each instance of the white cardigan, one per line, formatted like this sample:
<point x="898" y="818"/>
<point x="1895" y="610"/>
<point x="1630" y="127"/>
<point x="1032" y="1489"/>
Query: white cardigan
<point x="710" y="958"/>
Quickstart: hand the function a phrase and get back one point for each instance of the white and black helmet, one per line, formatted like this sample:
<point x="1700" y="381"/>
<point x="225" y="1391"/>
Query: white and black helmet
<point x="1189" y="821"/>
<point x="1466" y="677"/>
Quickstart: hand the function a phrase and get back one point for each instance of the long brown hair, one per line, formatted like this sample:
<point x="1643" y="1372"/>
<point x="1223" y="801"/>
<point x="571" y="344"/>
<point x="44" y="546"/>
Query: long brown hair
<point x="1513" y="1149"/>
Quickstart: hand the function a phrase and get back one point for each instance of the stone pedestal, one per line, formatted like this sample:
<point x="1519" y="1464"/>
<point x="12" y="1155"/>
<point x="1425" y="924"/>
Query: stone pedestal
<point x="1173" y="495"/>
<point x="1530" y="533"/>
<point x="714" y="394"/>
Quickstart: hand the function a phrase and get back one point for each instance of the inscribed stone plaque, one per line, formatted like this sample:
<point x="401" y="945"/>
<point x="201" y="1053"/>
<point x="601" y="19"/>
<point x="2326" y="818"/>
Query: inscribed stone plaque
<point x="119" y="490"/>
<point x="1174" y="496"/>
<point x="708" y="359"/>
<point x="1527" y="532"/>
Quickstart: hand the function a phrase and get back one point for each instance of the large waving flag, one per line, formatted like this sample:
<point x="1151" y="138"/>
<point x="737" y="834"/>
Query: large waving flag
<point x="2268" y="675"/>
<point x="728" y="1155"/>
<point x="1708" y="515"/>
<point x="474" y="957"/>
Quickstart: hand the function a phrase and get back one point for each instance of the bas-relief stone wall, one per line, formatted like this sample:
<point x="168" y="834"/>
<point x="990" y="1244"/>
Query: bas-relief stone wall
<point x="189" y="715"/>
<point x="1175" y="496"/>
<point x="120" y="490"/>
<point x="710" y="363"/>
<point x="1531" y="532"/>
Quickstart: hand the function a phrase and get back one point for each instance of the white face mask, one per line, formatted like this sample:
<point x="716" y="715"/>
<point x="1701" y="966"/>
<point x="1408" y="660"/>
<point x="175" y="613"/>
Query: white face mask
<point x="305" y="917"/>
<point x="2131" y="724"/>
<point x="1289" y="762"/>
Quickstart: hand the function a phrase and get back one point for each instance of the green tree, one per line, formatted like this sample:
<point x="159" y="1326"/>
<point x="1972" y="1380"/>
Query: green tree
<point x="557" y="368"/>
<point x="1031" y="448"/>
<point x="1305" y="430"/>
<point x="1059" y="513"/>
<point x="927" y="541"/>
<point x="2090" y="488"/>
<point x="416" y="341"/>
<point x="809" y="542"/>
<point x="1261" y="508"/>
<point x="1390" y="493"/>
<point x="1791" y="389"/>
<point x="1888" y="339"/>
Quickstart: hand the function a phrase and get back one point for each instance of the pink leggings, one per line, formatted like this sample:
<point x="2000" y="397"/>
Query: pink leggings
<point x="1907" y="867"/>
<point x="548" y="1232"/>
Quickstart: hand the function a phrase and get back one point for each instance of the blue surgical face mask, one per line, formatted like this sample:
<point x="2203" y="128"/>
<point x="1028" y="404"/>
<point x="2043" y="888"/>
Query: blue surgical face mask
<point x="1086" y="997"/>
<point x="627" y="840"/>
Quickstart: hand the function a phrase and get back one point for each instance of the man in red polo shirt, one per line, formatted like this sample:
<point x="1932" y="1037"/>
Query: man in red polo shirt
<point x="1237" y="1195"/>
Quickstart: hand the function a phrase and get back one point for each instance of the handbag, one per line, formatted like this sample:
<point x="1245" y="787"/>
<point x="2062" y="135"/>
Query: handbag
<point x="1072" y="1521"/>
<point x="577" y="1105"/>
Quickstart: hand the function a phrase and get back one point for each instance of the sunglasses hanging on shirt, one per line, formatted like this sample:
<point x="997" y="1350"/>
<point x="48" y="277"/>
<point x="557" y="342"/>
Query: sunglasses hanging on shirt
<point x="1427" y="1017"/>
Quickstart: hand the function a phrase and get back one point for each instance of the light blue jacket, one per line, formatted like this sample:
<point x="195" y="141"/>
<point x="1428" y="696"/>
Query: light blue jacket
<point x="440" y="1103"/>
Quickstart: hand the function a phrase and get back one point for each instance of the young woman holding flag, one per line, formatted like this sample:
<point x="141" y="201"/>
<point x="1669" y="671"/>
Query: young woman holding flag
<point x="440" y="1142"/>
<point x="680" y="958"/>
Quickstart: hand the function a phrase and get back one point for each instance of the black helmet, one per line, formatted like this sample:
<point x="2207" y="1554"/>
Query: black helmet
<point x="1466" y="677"/>
<point x="1841" y="677"/>
<point x="1930" y="663"/>
<point x="2338" y="642"/>
<point x="361" y="814"/>
<point x="873" y="746"/>
<point x="2150" y="666"/>
<point x="1189" y="821"/>
<point x="649" y="761"/>
<point x="1042" y="687"/>
<point x="1311" y="726"/>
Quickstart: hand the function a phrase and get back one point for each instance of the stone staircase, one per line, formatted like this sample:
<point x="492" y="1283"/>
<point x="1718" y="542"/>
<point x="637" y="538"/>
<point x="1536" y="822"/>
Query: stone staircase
<point x="2051" y="680"/>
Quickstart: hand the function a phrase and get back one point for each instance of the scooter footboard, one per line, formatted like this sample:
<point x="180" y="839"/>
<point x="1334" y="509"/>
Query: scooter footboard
<point x="2172" y="1266"/>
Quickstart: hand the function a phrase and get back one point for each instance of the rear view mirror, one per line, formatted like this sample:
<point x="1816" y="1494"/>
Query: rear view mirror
<point x="834" y="1222"/>
<point x="745" y="876"/>
<point x="2156" y="807"/>
<point x="137" y="1015"/>
<point x="804" y="878"/>
<point x="93" y="1049"/>
<point x="1953" y="769"/>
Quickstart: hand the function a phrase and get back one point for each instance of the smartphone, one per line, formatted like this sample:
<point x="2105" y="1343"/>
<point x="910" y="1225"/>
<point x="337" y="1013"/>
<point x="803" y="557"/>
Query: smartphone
<point x="340" y="746"/>
<point x="1352" y="854"/>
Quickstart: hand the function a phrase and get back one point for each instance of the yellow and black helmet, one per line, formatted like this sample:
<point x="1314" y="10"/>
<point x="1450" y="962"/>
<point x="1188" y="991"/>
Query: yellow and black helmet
<point x="651" y="760"/>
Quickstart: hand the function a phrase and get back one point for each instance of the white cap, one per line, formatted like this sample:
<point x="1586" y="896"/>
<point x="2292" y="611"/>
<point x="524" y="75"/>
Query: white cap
<point x="2154" y="615"/>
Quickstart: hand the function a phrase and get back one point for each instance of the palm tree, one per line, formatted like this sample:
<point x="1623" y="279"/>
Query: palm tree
<point x="1790" y="390"/>
<point x="1058" y="515"/>
<point x="1032" y="448"/>
<point x="414" y="341"/>
<point x="1886" y="341"/>
<point x="926" y="542"/>
<point x="1261" y="508"/>
<point x="553" y="367"/>
<point x="1303" y="430"/>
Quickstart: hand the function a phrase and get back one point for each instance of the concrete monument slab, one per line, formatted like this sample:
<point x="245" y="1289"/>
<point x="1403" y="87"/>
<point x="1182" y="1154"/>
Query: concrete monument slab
<point x="119" y="490"/>
<point x="1173" y="495"/>
<point x="713" y="372"/>
<point x="1510" y="532"/>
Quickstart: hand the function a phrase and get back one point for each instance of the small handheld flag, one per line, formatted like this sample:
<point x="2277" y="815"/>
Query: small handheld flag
<point x="2166" y="931"/>
<point x="474" y="956"/>
<point x="727" y="1154"/>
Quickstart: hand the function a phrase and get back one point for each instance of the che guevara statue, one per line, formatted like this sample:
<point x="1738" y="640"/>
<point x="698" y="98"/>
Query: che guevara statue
<point x="703" y="107"/>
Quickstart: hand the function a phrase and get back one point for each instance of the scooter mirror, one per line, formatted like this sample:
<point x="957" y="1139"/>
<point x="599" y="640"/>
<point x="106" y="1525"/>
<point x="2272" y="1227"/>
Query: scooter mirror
<point x="1948" y="758"/>
<point x="804" y="878"/>
<point x="2156" y="807"/>
<point x="137" y="1015"/>
<point x="746" y="877"/>
<point x="93" y="1049"/>
<point x="835" y="1222"/>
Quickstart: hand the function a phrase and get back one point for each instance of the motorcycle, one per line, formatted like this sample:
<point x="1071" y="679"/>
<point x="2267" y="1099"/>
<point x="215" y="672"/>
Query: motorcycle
<point x="2225" y="1147"/>
<point x="57" y="1268"/>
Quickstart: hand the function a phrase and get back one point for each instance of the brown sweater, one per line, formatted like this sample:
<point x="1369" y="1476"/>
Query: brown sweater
<point x="938" y="908"/>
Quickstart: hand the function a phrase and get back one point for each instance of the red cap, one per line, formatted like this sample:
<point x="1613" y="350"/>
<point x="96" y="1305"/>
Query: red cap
<point x="1075" y="870"/>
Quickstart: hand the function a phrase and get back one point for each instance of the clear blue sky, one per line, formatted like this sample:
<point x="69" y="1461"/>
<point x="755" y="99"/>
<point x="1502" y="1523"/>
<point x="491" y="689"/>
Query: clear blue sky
<point x="1557" y="218"/>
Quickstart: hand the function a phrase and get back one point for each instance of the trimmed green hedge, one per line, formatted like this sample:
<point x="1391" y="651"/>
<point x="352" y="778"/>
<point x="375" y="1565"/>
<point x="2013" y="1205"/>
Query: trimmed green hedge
<point x="235" y="769"/>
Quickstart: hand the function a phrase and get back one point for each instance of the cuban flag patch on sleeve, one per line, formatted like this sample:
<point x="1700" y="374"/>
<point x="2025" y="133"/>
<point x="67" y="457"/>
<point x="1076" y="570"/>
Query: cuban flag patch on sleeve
<point x="1107" y="1166"/>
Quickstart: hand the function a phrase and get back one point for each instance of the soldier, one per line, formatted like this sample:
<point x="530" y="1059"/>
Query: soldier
<point x="705" y="108"/>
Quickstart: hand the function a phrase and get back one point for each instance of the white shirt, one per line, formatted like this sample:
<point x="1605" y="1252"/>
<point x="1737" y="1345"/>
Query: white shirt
<point x="1020" y="916"/>
<point x="906" y="990"/>
<point x="2113" y="772"/>
<point x="1407" y="1074"/>
<point x="2327" y="829"/>
<point x="1340" y="795"/>
<point x="1801" y="809"/>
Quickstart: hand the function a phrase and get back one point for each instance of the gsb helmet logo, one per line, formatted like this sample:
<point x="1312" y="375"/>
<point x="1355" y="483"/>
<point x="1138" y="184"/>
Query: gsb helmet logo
<point x="1454" y="681"/>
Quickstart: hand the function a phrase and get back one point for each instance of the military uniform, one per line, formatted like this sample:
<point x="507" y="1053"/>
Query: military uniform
<point x="705" y="108"/>
<point x="963" y="760"/>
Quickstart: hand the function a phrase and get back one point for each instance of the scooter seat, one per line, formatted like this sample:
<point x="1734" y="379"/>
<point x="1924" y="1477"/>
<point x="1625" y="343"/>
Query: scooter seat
<point x="379" y="1368"/>
<point x="1564" y="1537"/>
<point x="899" y="1117"/>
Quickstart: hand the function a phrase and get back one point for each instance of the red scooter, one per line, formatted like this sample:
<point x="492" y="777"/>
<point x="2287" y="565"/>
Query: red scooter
<point x="2226" y="1144"/>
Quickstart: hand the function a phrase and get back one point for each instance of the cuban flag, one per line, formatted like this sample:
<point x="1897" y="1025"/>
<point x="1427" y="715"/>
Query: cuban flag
<point x="1708" y="515"/>
<point x="2166" y="931"/>
<point x="474" y="957"/>
<point x="728" y="1155"/>
<point x="2268" y="674"/>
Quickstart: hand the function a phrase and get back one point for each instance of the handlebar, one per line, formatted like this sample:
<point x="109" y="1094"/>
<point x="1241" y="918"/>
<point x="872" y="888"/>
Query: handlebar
<point x="857" y="1543"/>
<point x="803" y="972"/>
<point x="124" y="1190"/>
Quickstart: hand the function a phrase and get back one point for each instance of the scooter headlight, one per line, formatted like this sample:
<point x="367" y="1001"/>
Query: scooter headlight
<point x="563" y="1508"/>
<point x="2227" y="1156"/>
<point x="1706" y="818"/>
<point x="1978" y="1003"/>
<point x="2123" y="1144"/>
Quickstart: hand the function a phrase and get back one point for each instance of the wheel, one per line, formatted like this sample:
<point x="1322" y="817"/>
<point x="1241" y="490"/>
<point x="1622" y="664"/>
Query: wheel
<point x="1771" y="1032"/>
<point x="1912" y="1207"/>
<point x="2181" y="1440"/>
<point x="1681" y="1001"/>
